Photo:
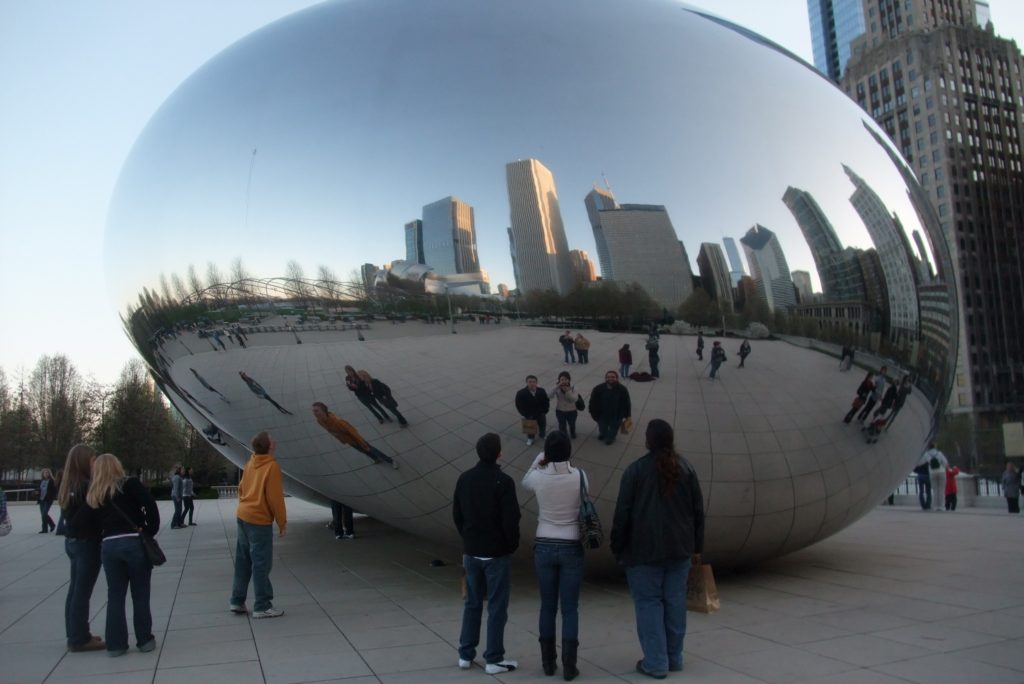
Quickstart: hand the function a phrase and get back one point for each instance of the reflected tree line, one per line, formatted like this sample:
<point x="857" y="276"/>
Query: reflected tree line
<point x="46" y="411"/>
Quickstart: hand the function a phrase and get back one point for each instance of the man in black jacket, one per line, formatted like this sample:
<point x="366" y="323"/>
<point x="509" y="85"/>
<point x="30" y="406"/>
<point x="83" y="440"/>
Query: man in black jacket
<point x="486" y="514"/>
<point x="609" y="406"/>
<point x="533" y="403"/>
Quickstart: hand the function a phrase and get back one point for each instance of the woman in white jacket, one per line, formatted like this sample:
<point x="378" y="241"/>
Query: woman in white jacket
<point x="558" y="554"/>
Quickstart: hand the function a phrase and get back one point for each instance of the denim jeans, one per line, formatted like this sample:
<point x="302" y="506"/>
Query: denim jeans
<point x="659" y="599"/>
<point x="176" y="520"/>
<point x="607" y="428"/>
<point x="624" y="370"/>
<point x="254" y="553"/>
<point x="44" y="514"/>
<point x="488" y="578"/>
<point x="125" y="565"/>
<point x="924" y="491"/>
<point x="567" y="421"/>
<point x="84" y="555"/>
<point x="559" y="575"/>
<point x="188" y="506"/>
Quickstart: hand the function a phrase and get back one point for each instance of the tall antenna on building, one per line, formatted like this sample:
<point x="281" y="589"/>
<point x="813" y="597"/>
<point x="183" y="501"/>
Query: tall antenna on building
<point x="608" y="185"/>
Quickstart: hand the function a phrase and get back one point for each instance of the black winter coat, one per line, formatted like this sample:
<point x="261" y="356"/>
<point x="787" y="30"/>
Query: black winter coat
<point x="486" y="511"/>
<point x="532" y="406"/>
<point x="615" y="397"/>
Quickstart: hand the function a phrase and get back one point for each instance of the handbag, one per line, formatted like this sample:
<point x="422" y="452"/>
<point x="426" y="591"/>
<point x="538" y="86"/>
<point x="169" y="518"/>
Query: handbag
<point x="701" y="590"/>
<point x="627" y="426"/>
<point x="530" y="427"/>
<point x="154" y="554"/>
<point x="580" y="404"/>
<point x="591" y="534"/>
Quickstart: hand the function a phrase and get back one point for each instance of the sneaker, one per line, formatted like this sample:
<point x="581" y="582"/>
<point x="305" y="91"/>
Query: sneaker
<point x="237" y="608"/>
<point x="641" y="670"/>
<point x="93" y="644"/>
<point x="148" y="646"/>
<point x="465" y="664"/>
<point x="117" y="653"/>
<point x="529" y="441"/>
<point x="503" y="666"/>
<point x="268" y="613"/>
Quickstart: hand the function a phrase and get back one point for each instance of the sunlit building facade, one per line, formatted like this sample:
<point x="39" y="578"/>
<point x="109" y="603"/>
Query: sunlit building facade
<point x="539" y="248"/>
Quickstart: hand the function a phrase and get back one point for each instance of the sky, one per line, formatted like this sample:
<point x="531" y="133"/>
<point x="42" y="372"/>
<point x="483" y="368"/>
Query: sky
<point x="80" y="82"/>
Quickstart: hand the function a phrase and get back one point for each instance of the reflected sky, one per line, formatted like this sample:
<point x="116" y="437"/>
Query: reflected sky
<point x="319" y="137"/>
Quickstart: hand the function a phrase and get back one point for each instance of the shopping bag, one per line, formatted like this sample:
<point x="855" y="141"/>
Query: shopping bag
<point x="701" y="591"/>
<point x="530" y="427"/>
<point x="627" y="426"/>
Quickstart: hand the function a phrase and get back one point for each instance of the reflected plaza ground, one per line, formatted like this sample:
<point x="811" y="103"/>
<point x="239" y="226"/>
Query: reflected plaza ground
<point x="900" y="596"/>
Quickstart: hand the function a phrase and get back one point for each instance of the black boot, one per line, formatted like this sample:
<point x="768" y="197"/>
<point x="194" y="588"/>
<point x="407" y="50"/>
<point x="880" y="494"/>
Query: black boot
<point x="548" y="656"/>
<point x="569" y="671"/>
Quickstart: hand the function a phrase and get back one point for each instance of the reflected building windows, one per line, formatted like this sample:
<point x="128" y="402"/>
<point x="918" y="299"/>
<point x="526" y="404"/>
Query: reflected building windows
<point x="769" y="268"/>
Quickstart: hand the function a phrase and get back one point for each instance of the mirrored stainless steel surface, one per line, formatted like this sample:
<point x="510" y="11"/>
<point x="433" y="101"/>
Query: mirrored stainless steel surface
<point x="277" y="205"/>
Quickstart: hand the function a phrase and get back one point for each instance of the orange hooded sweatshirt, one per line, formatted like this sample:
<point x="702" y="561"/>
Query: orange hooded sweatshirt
<point x="261" y="493"/>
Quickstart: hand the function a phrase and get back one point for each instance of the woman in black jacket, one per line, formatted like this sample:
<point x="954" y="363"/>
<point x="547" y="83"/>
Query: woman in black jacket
<point x="122" y="509"/>
<point x="82" y="547"/>
<point x="47" y="493"/>
<point x="658" y="530"/>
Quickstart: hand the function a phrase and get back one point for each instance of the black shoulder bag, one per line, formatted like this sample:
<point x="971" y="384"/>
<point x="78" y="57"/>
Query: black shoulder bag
<point x="153" y="552"/>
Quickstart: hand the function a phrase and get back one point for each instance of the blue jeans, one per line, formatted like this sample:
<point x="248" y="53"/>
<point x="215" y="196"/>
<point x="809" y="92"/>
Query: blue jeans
<point x="125" y="565"/>
<point x="567" y="421"/>
<point x="607" y="428"/>
<point x="659" y="599"/>
<point x="254" y="555"/>
<point x="44" y="514"/>
<point x="714" y="368"/>
<point x="84" y="555"/>
<point x="924" y="491"/>
<point x="559" y="575"/>
<point x="624" y="370"/>
<point x="488" y="578"/>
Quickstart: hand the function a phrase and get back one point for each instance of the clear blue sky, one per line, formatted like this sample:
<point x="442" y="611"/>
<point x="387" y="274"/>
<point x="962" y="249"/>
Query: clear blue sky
<point x="80" y="80"/>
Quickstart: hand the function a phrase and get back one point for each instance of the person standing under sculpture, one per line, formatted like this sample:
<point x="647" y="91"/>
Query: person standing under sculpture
<point x="486" y="514"/>
<point x="346" y="433"/>
<point x="188" y="498"/>
<point x="176" y="498"/>
<point x="951" y="474"/>
<point x="343" y="521"/>
<point x="936" y="463"/>
<point x="1011" y="488"/>
<point x="532" y="403"/>
<point x="609" y="406"/>
<point x="557" y="552"/>
<point x="260" y="505"/>
<point x="657" y="532"/>
<point x="566" y="410"/>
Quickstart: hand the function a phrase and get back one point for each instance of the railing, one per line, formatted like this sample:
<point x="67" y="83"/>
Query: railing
<point x="21" y="495"/>
<point x="986" y="487"/>
<point x="226" y="491"/>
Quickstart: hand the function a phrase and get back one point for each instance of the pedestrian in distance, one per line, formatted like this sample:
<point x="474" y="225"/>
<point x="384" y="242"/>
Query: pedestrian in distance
<point x="744" y="352"/>
<point x="657" y="533"/>
<point x="951" y="474"/>
<point x="625" y="361"/>
<point x="46" y="494"/>
<point x="176" y="494"/>
<point x="567" y="402"/>
<point x="582" y="345"/>
<point x="652" y="347"/>
<point x="532" y="403"/>
<point x="260" y="505"/>
<point x="1011" y="488"/>
<point x="121" y="509"/>
<point x="609" y="407"/>
<point x="568" y="347"/>
<point x="188" y="498"/>
<point x="700" y="345"/>
<point x="557" y="551"/>
<point x="82" y="547"/>
<point x="364" y="393"/>
<point x="486" y="514"/>
<point x="717" y="357"/>
<point x="924" y="485"/>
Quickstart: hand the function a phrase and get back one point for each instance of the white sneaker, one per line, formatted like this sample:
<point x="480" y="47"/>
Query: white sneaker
<point x="268" y="613"/>
<point x="465" y="664"/>
<point x="529" y="441"/>
<point x="503" y="666"/>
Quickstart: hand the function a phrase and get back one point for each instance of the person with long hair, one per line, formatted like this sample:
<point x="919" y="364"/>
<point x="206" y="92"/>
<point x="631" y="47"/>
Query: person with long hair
<point x="557" y="552"/>
<point x="82" y="546"/>
<point x="657" y="532"/>
<point x="565" y="396"/>
<point x="188" y="497"/>
<point x="364" y="393"/>
<point x="47" y="494"/>
<point x="122" y="508"/>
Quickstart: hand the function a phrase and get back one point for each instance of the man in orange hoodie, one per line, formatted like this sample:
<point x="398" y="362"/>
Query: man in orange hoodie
<point x="260" y="504"/>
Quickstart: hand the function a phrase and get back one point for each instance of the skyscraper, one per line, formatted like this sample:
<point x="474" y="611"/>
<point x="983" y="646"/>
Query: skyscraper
<point x="769" y="268"/>
<point x="414" y="241"/>
<point x="735" y="265"/>
<point x="802" y="283"/>
<point x="449" y="237"/>
<point x="537" y="237"/>
<point x="834" y="25"/>
<point x="598" y="200"/>
<point x="583" y="270"/>
<point x="714" y="275"/>
<point x="642" y="247"/>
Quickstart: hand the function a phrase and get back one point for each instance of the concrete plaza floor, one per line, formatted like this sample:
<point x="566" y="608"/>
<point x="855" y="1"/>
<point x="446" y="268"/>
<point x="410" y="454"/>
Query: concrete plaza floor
<point x="901" y="596"/>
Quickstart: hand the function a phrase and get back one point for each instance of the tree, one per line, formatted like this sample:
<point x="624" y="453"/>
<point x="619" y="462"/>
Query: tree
<point x="57" y="398"/>
<point x="18" y="432"/>
<point x="699" y="310"/>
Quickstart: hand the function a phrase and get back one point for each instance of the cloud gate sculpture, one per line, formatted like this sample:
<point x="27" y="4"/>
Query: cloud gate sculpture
<point x="346" y="187"/>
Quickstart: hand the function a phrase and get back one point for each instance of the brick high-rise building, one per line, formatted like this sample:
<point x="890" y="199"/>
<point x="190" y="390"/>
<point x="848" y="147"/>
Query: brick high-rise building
<point x="948" y="93"/>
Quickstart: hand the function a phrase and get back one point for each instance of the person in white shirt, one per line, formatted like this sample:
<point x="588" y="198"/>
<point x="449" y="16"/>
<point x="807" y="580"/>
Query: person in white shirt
<point x="557" y="552"/>
<point x="937" y="464"/>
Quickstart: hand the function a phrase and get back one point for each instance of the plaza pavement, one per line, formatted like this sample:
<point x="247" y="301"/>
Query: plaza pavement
<point x="901" y="596"/>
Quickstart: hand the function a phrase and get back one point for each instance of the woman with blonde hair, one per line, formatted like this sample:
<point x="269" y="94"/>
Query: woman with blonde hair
<point x="123" y="509"/>
<point x="82" y="546"/>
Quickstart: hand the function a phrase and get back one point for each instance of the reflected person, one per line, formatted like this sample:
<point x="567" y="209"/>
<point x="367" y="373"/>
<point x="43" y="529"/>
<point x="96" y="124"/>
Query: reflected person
<point x="204" y="383"/>
<point x="364" y="393"/>
<point x="382" y="393"/>
<point x="258" y="390"/>
<point x="346" y="433"/>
